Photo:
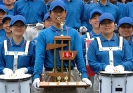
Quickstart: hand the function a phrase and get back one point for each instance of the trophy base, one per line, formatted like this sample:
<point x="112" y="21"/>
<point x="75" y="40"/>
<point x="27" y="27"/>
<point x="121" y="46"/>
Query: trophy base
<point x="63" y="84"/>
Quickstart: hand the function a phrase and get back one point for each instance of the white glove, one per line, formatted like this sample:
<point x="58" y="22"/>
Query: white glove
<point x="39" y="26"/>
<point x="83" y="29"/>
<point x="7" y="72"/>
<point x="21" y="71"/>
<point x="119" y="68"/>
<point x="109" y="68"/>
<point x="87" y="81"/>
<point x="36" y="83"/>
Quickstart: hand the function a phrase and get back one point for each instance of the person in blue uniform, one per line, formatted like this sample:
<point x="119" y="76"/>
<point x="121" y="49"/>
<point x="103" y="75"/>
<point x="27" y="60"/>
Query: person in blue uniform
<point x="17" y="44"/>
<point x="94" y="21"/>
<point x="99" y="61"/>
<point x="6" y="27"/>
<point x="3" y="12"/>
<point x="108" y="52"/>
<point x="125" y="26"/>
<point x="46" y="57"/>
<point x="33" y="11"/>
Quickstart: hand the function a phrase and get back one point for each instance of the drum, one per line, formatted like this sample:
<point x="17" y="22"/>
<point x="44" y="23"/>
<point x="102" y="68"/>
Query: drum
<point x="18" y="84"/>
<point x="115" y="82"/>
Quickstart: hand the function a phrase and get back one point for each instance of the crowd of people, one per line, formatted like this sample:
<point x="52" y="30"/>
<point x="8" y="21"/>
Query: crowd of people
<point x="32" y="25"/>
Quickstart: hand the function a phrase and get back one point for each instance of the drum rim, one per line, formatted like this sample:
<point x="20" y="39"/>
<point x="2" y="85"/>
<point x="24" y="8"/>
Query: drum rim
<point x="126" y="73"/>
<point x="16" y="79"/>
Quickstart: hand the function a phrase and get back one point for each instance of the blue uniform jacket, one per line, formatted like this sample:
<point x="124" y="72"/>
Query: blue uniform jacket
<point x="2" y="38"/>
<point x="46" y="57"/>
<point x="2" y="32"/>
<point x="75" y="9"/>
<point x="23" y="61"/>
<point x="129" y="10"/>
<point x="99" y="59"/>
<point x="32" y="10"/>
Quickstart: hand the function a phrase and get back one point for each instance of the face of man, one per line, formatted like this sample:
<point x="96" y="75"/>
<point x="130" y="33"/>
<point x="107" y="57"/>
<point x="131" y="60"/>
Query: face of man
<point x="9" y="2"/>
<point x="58" y="15"/>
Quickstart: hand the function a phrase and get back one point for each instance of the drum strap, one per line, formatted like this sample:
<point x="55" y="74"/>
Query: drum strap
<point x="110" y="49"/>
<point x="86" y="45"/>
<point x="16" y="53"/>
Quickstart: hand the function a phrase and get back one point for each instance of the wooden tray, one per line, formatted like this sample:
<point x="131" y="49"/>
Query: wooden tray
<point x="63" y="84"/>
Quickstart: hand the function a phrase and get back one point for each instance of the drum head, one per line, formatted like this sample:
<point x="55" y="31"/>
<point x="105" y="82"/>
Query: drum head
<point x="124" y="73"/>
<point x="15" y="78"/>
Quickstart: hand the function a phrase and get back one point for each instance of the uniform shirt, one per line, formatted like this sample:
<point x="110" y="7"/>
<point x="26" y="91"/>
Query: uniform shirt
<point x="2" y="32"/>
<point x="98" y="60"/>
<point x="121" y="7"/>
<point x="32" y="10"/>
<point x="6" y="61"/>
<point x="46" y="57"/>
<point x="75" y="9"/>
<point x="129" y="9"/>
<point x="11" y="11"/>
<point x="86" y="16"/>
<point x="92" y="35"/>
<point x="2" y="38"/>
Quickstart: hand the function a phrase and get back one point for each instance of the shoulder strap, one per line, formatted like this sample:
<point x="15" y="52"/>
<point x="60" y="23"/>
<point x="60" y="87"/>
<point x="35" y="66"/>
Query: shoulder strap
<point x="5" y="46"/>
<point x="27" y="46"/>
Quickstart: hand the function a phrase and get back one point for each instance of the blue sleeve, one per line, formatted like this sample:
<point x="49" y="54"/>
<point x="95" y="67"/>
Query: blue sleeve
<point x="92" y="58"/>
<point x="83" y="43"/>
<point x="32" y="61"/>
<point x="40" y="55"/>
<point x="128" y="59"/>
<point x="79" y="57"/>
<point x="2" y="63"/>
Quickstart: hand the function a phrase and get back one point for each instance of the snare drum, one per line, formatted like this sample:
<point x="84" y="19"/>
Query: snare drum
<point x="18" y="84"/>
<point x="115" y="82"/>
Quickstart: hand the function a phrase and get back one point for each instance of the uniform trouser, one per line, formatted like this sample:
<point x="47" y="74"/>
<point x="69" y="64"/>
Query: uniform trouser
<point x="31" y="32"/>
<point x="74" y="77"/>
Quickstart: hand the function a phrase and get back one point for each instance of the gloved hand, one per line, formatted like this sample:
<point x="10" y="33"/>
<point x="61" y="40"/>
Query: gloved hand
<point x="36" y="83"/>
<point x="39" y="26"/>
<point x="7" y="72"/>
<point x="87" y="81"/>
<point x="119" y="68"/>
<point x="83" y="29"/>
<point x="109" y="68"/>
<point x="21" y="71"/>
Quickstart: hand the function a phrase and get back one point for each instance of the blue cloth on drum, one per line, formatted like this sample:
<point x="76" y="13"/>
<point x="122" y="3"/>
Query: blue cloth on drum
<point x="2" y="32"/>
<point x="128" y="10"/>
<point x="99" y="59"/>
<point x="6" y="61"/>
<point x="46" y="57"/>
<point x="32" y="10"/>
<point x="92" y="35"/>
